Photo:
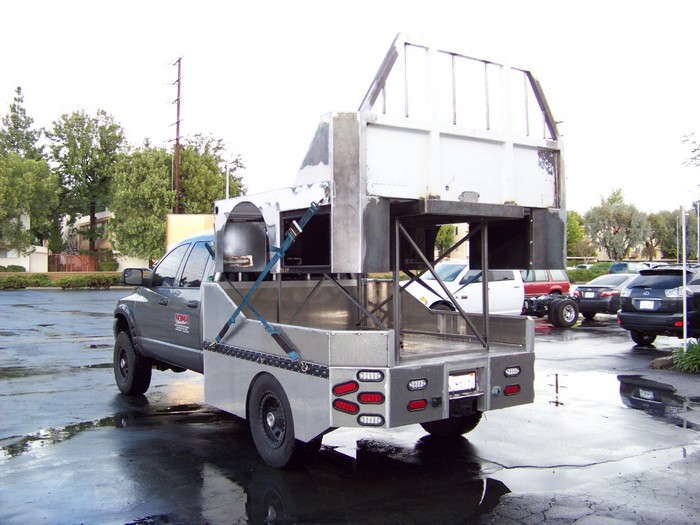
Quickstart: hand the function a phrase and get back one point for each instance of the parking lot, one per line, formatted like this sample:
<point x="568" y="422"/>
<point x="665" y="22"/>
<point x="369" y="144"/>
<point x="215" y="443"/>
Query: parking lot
<point x="74" y="450"/>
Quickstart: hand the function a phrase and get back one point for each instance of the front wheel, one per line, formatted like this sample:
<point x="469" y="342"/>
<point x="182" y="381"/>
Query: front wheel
<point x="642" y="339"/>
<point x="272" y="426"/>
<point x="452" y="426"/>
<point x="132" y="371"/>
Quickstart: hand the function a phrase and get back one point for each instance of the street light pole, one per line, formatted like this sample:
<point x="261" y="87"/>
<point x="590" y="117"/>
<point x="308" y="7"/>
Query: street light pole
<point x="683" y="297"/>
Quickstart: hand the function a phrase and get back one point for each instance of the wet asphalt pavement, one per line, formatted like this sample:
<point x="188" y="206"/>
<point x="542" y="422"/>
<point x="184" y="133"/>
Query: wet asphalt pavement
<point x="73" y="450"/>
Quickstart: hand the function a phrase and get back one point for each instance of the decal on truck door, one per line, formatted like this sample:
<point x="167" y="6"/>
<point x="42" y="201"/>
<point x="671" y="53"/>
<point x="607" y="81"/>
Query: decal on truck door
<point x="182" y="323"/>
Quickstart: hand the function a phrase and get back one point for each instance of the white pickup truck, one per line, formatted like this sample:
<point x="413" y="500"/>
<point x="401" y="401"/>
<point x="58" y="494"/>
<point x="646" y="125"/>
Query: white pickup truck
<point x="506" y="289"/>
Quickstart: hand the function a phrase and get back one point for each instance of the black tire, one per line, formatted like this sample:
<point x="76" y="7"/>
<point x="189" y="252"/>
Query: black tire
<point x="132" y="371"/>
<point x="453" y="426"/>
<point x="272" y="426"/>
<point x="563" y="313"/>
<point x="642" y="339"/>
<point x="588" y="316"/>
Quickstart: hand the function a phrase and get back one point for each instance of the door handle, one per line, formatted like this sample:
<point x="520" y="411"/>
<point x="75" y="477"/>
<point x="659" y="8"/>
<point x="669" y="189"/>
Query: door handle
<point x="192" y="304"/>
<point x="163" y="302"/>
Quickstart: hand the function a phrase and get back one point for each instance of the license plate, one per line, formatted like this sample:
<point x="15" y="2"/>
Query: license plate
<point x="588" y="295"/>
<point x="462" y="382"/>
<point x="646" y="394"/>
<point x="646" y="305"/>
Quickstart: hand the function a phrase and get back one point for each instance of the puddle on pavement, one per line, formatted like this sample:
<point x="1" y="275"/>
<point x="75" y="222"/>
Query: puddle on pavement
<point x="134" y="411"/>
<point x="15" y="372"/>
<point x="89" y="314"/>
<point x="50" y="436"/>
<point x="656" y="398"/>
<point x="559" y="477"/>
<point x="98" y="365"/>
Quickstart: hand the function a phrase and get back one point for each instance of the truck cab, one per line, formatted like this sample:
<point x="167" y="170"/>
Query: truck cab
<point x="163" y="313"/>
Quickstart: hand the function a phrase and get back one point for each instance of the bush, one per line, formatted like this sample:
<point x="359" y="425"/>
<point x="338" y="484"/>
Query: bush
<point x="15" y="268"/>
<point x="37" y="280"/>
<point x="13" y="282"/>
<point x="87" y="281"/>
<point x="580" y="276"/>
<point x="688" y="361"/>
<point x="107" y="266"/>
<point x="600" y="268"/>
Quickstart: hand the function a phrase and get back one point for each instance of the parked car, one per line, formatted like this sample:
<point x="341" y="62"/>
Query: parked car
<point x="506" y="291"/>
<point x="652" y="304"/>
<point x="627" y="267"/>
<point x="544" y="282"/>
<point x="602" y="294"/>
<point x="584" y="266"/>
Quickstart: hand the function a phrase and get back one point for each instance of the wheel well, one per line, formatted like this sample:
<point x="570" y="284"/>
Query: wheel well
<point x="442" y="305"/>
<point x="121" y="325"/>
<point x="250" y="387"/>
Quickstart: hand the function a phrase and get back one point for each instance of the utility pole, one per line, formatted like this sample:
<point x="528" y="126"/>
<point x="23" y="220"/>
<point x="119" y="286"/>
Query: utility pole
<point x="176" y="167"/>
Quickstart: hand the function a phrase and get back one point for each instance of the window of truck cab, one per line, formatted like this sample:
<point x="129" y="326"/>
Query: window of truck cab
<point x="165" y="273"/>
<point x="195" y="270"/>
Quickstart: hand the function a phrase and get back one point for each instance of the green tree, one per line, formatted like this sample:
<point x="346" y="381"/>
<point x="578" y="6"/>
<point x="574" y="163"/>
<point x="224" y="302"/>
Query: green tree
<point x="617" y="227"/>
<point x="662" y="237"/>
<point x="141" y="200"/>
<point x="85" y="149"/>
<point x="16" y="133"/>
<point x="574" y="232"/>
<point x="445" y="238"/>
<point x="28" y="192"/>
<point x="203" y="171"/>
<point x="142" y="195"/>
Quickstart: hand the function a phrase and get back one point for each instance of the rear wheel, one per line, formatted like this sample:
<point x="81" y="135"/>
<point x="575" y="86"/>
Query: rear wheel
<point x="272" y="426"/>
<point x="563" y="312"/>
<point x="642" y="339"/>
<point x="132" y="371"/>
<point x="452" y="426"/>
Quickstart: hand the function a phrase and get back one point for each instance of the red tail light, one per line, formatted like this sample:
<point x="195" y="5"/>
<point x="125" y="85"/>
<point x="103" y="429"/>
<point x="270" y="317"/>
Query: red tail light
<point x="609" y="293"/>
<point x="371" y="398"/>
<point x="417" y="404"/>
<point x="511" y="390"/>
<point x="346" y="406"/>
<point x="345" y="388"/>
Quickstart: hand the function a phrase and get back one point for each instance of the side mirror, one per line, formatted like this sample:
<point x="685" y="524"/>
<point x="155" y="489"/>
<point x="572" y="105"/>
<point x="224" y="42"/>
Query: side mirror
<point x="133" y="277"/>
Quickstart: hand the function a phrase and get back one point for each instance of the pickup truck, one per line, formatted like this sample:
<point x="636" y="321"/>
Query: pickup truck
<point x="278" y="312"/>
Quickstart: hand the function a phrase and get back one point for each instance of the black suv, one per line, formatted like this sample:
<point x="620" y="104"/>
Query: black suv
<point x="652" y="304"/>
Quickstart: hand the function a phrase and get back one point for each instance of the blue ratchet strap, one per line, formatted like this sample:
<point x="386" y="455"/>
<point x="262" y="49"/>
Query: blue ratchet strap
<point x="292" y="233"/>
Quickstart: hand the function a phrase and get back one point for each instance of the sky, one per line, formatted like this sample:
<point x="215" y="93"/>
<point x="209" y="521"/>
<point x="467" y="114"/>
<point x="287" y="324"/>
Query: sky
<point x="621" y="77"/>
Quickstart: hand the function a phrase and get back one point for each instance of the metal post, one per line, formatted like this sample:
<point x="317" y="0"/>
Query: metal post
<point x="177" y="139"/>
<point x="397" y="294"/>
<point x="685" y="282"/>
<point x="485" y="278"/>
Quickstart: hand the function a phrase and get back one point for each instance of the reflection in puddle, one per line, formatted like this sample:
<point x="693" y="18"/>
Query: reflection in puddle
<point x="656" y="398"/>
<point x="218" y="477"/>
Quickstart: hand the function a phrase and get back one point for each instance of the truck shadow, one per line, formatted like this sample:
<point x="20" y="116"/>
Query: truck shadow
<point x="199" y="465"/>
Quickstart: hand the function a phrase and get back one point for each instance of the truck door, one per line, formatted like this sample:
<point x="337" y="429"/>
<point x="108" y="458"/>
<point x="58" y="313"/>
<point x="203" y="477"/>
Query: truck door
<point x="152" y="308"/>
<point x="184" y="308"/>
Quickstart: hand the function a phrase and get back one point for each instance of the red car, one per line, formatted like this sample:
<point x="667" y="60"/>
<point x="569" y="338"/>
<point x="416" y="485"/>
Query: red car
<point x="544" y="282"/>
